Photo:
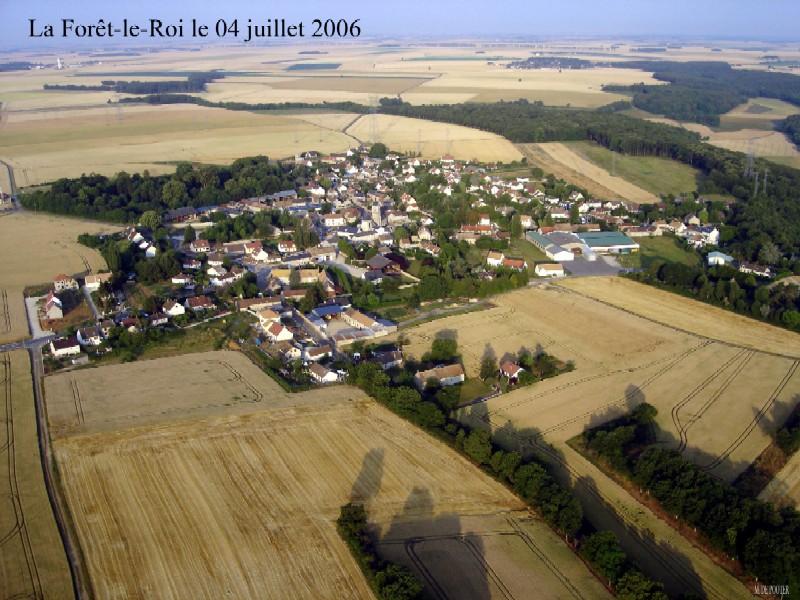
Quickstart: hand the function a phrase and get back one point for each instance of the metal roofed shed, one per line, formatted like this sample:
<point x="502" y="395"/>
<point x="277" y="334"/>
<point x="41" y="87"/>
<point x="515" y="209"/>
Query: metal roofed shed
<point x="608" y="242"/>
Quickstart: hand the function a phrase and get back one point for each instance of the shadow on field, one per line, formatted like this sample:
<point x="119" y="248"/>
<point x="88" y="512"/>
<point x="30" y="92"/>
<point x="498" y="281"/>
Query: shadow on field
<point x="368" y="483"/>
<point x="658" y="559"/>
<point x="448" y="562"/>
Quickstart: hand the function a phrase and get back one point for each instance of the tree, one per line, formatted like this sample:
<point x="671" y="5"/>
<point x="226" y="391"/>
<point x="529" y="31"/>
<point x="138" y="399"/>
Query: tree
<point x="174" y="193"/>
<point x="516" y="227"/>
<point x="574" y="214"/>
<point x="602" y="549"/>
<point x="488" y="367"/>
<point x="189" y="234"/>
<point x="294" y="279"/>
<point x="150" y="219"/>
<point x="443" y="349"/>
<point x="478" y="446"/>
<point x="378" y="150"/>
<point x="769" y="254"/>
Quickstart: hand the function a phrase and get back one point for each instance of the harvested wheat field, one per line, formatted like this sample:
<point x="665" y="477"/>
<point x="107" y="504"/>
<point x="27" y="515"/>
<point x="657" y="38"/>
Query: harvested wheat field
<point x="32" y="559"/>
<point x="246" y="504"/>
<point x="433" y="139"/>
<point x="42" y="146"/>
<point x="191" y="386"/>
<point x="35" y="248"/>
<point x="565" y="163"/>
<point x="784" y="489"/>
<point x="687" y="314"/>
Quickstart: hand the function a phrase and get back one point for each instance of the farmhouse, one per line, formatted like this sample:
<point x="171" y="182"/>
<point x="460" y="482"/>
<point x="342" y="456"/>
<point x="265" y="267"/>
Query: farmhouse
<point x="359" y="320"/>
<point x="510" y="370"/>
<point x="755" y="269"/>
<point x="64" y="282"/>
<point x="66" y="346"/>
<point x="516" y="264"/>
<point x="549" y="270"/>
<point x="446" y="375"/>
<point x="388" y="360"/>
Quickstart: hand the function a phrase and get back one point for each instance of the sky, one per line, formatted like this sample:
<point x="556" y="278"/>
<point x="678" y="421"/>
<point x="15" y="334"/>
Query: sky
<point x="538" y="19"/>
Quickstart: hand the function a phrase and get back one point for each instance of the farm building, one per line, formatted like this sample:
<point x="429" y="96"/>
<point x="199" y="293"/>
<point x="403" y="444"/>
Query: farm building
<point x="446" y="375"/>
<point x="608" y="242"/>
<point x="549" y="270"/>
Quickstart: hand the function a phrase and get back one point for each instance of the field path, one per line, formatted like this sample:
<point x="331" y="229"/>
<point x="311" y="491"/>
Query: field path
<point x="567" y="164"/>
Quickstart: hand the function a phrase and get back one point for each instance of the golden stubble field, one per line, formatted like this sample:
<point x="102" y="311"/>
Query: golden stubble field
<point x="204" y="479"/>
<point x="32" y="559"/>
<point x="35" y="248"/>
<point x="698" y="365"/>
<point x="719" y="389"/>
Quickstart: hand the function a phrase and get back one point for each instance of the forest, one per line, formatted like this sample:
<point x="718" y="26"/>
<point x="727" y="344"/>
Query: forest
<point x="791" y="127"/>
<point x="195" y="82"/>
<point x="124" y="197"/>
<point x="702" y="91"/>
<point x="764" y="539"/>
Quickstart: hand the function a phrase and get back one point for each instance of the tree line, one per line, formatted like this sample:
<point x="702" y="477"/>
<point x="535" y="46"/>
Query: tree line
<point x="702" y="91"/>
<point x="123" y="198"/>
<point x="728" y="288"/>
<point x="791" y="127"/>
<point x="764" y="539"/>
<point x="195" y="82"/>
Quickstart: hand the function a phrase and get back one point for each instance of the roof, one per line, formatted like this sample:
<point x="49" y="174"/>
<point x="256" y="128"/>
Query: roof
<point x="63" y="343"/>
<point x="318" y="370"/>
<point x="327" y="310"/>
<point x="441" y="372"/>
<point x="606" y="238"/>
<point x="550" y="267"/>
<point x="268" y="315"/>
<point x="510" y="368"/>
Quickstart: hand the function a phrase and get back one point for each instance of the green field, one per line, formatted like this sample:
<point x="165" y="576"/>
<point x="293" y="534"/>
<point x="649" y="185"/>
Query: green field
<point x="658" y="176"/>
<point x="658" y="248"/>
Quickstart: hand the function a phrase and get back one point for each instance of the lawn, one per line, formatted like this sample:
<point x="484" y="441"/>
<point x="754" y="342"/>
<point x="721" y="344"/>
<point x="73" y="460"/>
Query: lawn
<point x="474" y="388"/>
<point x="522" y="248"/>
<point x="659" y="248"/>
<point x="659" y="176"/>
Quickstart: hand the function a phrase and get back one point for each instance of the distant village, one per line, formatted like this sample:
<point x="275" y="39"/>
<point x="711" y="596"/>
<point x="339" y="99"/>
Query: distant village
<point x="365" y="225"/>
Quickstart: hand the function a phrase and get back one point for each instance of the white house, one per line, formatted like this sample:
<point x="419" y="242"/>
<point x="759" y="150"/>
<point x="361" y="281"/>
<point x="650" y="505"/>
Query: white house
<point x="549" y="270"/>
<point x="446" y="375"/>
<point x="93" y="282"/>
<point x="495" y="259"/>
<point x="278" y="333"/>
<point x="89" y="336"/>
<point x="173" y="309"/>
<point x="322" y="375"/>
<point x="67" y="346"/>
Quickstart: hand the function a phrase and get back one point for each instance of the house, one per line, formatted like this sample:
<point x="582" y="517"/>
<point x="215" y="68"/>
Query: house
<point x="191" y="263"/>
<point x="388" y="360"/>
<point x="278" y="333"/>
<point x="199" y="303"/>
<point x="317" y="353"/>
<point x="256" y="304"/>
<point x="216" y="259"/>
<point x="288" y="351"/>
<point x="64" y="282"/>
<point x="430" y="248"/>
<point x="334" y="220"/>
<point x="89" y="336"/>
<point x="549" y="270"/>
<point x="93" y="282"/>
<point x="66" y="346"/>
<point x="719" y="258"/>
<point x="182" y="279"/>
<point x="444" y="375"/>
<point x="359" y="320"/>
<point x="215" y="271"/>
<point x="200" y="246"/>
<point x="173" y="309"/>
<point x="286" y="246"/>
<point x="267" y="317"/>
<point x="755" y="269"/>
<point x="158" y="319"/>
<point x="322" y="375"/>
<point x="495" y="259"/>
<point x="52" y="308"/>
<point x="150" y="251"/>
<point x="527" y="221"/>
<point x="510" y="370"/>
<point x="513" y="263"/>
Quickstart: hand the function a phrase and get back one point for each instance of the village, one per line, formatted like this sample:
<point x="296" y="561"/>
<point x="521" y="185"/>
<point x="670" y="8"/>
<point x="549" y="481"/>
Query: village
<point x="347" y="251"/>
